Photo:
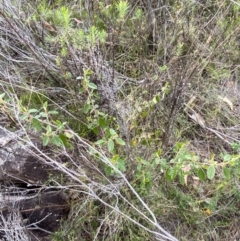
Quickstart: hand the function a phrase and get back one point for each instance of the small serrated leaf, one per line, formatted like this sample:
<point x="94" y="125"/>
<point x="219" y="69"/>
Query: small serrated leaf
<point x="156" y="161"/>
<point x="37" y="116"/>
<point x="57" y="141"/>
<point x="108" y="171"/>
<point x="110" y="145"/>
<point x="144" y="162"/>
<point x="32" y="110"/>
<point x="171" y="173"/>
<point x="86" y="108"/>
<point x="46" y="140"/>
<point x="36" y="124"/>
<point x="102" y="122"/>
<point x="226" y="172"/>
<point x="45" y="105"/>
<point x="42" y="114"/>
<point x="139" y="167"/>
<point x="156" y="99"/>
<point x="113" y="132"/>
<point x="182" y="178"/>
<point x="68" y="135"/>
<point x="63" y="139"/>
<point x="49" y="129"/>
<point x="23" y="117"/>
<point x="53" y="112"/>
<point x="120" y="141"/>
<point x="121" y="165"/>
<point x="201" y="175"/>
<point x="211" y="172"/>
<point x="227" y="157"/>
<point x="188" y="157"/>
<point x="92" y="86"/>
<point x="100" y="142"/>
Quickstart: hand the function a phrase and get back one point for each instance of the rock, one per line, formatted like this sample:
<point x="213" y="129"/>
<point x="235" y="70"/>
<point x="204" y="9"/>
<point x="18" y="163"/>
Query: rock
<point x="17" y="163"/>
<point x="27" y="206"/>
<point x="40" y="213"/>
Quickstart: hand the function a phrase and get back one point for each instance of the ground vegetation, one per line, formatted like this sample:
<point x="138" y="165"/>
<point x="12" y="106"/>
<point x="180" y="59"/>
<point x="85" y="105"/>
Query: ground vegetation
<point x="136" y="103"/>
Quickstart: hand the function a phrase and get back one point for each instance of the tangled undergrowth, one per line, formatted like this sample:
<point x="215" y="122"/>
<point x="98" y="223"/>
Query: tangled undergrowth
<point x="141" y="101"/>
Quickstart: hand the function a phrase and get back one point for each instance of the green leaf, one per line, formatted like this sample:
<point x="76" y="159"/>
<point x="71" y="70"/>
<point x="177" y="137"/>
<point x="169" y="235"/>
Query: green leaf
<point x="171" y="174"/>
<point x="108" y="171"/>
<point x="181" y="177"/>
<point x="86" y="108"/>
<point x="121" y="165"/>
<point x="139" y="167"/>
<point x="227" y="157"/>
<point x="120" y="141"/>
<point x="168" y="175"/>
<point x="88" y="72"/>
<point x="188" y="157"/>
<point x="68" y="135"/>
<point x="236" y="146"/>
<point x="201" y="175"/>
<point x="23" y="117"/>
<point x="57" y="141"/>
<point x="46" y="140"/>
<point x="53" y="112"/>
<point x="45" y="105"/>
<point x="226" y="172"/>
<point x="37" y="116"/>
<point x="42" y="114"/>
<point x="211" y="172"/>
<point x="49" y="129"/>
<point x="144" y="162"/>
<point x="102" y="123"/>
<point x="63" y="139"/>
<point x="36" y="124"/>
<point x="156" y="99"/>
<point x="164" y="163"/>
<point x="110" y="145"/>
<point x="113" y="132"/>
<point x="144" y="114"/>
<point x="92" y="86"/>
<point x="163" y="68"/>
<point x="156" y="161"/>
<point x="159" y="152"/>
<point x="59" y="124"/>
<point x="81" y="90"/>
<point x="144" y="142"/>
<point x="95" y="130"/>
<point x="32" y="110"/>
<point x="100" y="142"/>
